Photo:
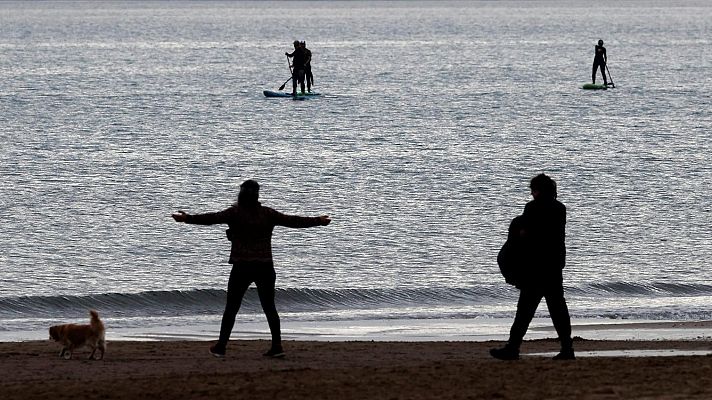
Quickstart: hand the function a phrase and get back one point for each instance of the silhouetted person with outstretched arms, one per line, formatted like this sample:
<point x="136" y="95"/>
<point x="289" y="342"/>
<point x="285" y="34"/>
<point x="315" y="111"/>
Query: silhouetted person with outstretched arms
<point x="599" y="60"/>
<point x="308" y="76"/>
<point x="542" y="231"/>
<point x="250" y="231"/>
<point x="299" y="59"/>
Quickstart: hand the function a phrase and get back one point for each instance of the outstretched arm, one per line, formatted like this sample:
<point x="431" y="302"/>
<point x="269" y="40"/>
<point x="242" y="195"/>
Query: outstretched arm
<point x="203" y="219"/>
<point x="295" y="221"/>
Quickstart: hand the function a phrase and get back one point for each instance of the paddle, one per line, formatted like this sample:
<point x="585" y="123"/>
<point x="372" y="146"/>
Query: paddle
<point x="613" y="85"/>
<point x="285" y="82"/>
<point x="290" y="73"/>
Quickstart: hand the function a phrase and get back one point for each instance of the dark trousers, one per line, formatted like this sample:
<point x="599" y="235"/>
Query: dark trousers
<point x="297" y="77"/>
<point x="241" y="277"/>
<point x="309" y="76"/>
<point x="529" y="299"/>
<point x="597" y="64"/>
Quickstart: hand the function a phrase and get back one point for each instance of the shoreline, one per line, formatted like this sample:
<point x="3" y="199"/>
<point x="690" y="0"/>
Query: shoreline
<point x="356" y="370"/>
<point x="408" y="330"/>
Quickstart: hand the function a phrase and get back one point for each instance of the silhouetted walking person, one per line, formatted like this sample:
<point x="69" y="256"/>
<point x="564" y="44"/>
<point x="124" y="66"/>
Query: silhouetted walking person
<point x="250" y="231"/>
<point x="599" y="60"/>
<point x="542" y="233"/>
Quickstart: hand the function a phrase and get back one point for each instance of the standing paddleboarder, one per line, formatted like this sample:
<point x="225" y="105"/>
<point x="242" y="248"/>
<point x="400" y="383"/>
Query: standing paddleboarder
<point x="299" y="57"/>
<point x="599" y="60"/>
<point x="307" y="67"/>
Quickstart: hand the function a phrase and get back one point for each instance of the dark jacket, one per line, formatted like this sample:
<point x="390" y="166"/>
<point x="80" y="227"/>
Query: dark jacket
<point x="544" y="225"/>
<point x="300" y="58"/>
<point x="251" y="229"/>
<point x="307" y="60"/>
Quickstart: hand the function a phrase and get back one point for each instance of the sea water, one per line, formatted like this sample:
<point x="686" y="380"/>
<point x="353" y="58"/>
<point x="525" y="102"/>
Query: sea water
<point x="433" y="117"/>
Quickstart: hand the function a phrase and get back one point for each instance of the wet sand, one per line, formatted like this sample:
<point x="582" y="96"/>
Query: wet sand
<point x="355" y="370"/>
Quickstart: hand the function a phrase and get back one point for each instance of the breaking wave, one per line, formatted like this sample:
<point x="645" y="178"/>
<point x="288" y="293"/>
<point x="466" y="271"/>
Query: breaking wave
<point x="212" y="301"/>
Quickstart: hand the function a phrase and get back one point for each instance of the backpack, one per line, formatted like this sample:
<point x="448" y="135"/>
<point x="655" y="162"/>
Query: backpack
<point x="511" y="256"/>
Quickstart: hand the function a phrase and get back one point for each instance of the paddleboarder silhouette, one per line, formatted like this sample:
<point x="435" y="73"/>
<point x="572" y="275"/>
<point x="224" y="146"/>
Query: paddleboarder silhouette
<point x="299" y="59"/>
<point x="599" y="60"/>
<point x="307" y="67"/>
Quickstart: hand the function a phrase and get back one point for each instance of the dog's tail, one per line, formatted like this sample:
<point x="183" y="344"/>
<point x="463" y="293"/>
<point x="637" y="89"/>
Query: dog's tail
<point x="94" y="318"/>
<point x="98" y="329"/>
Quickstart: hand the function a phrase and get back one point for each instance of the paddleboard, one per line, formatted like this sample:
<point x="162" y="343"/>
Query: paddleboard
<point x="594" y="86"/>
<point x="269" y="93"/>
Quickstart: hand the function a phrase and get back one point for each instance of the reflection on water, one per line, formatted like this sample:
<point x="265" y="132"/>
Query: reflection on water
<point x="631" y="353"/>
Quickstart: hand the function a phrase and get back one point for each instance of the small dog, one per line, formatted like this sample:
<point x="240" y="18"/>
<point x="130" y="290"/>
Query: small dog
<point x="74" y="336"/>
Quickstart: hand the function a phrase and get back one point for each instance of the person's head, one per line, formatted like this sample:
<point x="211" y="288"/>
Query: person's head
<point x="304" y="44"/>
<point x="543" y="187"/>
<point x="249" y="193"/>
<point x="296" y="44"/>
<point x="600" y="42"/>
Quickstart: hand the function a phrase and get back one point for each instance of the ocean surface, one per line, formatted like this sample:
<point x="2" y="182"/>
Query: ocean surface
<point x="433" y="117"/>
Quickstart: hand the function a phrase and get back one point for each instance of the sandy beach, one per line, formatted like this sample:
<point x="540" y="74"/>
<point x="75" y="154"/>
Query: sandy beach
<point x="357" y="370"/>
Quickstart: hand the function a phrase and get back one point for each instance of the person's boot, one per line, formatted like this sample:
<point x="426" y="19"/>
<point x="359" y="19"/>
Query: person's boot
<point x="507" y="352"/>
<point x="565" y="354"/>
<point x="275" y="351"/>
<point x="218" y="350"/>
<point x="567" y="350"/>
